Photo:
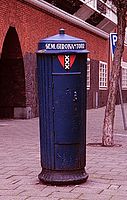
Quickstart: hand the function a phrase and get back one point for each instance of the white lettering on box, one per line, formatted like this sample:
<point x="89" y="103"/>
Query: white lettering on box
<point x="65" y="46"/>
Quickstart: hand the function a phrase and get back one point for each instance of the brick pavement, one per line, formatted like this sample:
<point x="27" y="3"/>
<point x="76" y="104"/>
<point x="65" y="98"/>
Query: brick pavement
<point x="20" y="163"/>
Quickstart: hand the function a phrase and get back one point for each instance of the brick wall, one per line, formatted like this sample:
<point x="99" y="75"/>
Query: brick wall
<point x="33" y="24"/>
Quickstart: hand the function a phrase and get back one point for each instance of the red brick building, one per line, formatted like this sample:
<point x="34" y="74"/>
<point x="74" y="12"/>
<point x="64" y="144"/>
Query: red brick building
<point x="23" y="23"/>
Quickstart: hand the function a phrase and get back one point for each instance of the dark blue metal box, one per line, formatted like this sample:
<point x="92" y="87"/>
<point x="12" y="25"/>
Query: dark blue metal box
<point x="62" y="69"/>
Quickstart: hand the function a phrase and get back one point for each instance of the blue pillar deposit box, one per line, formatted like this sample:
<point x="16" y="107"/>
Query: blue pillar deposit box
<point x="62" y="70"/>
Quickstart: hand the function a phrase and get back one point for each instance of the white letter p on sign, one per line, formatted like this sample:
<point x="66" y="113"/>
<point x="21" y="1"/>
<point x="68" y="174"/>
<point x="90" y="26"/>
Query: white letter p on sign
<point x="114" y="38"/>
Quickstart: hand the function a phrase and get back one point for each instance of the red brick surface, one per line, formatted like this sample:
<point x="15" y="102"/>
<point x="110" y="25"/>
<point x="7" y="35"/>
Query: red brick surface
<point x="32" y="25"/>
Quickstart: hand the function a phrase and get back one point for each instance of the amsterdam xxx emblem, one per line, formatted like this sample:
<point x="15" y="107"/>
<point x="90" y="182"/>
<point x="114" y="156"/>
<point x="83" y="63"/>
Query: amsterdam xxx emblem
<point x="66" y="61"/>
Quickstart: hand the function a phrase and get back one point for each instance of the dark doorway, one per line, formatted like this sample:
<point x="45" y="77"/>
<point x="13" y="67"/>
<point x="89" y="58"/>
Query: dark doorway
<point x="12" y="77"/>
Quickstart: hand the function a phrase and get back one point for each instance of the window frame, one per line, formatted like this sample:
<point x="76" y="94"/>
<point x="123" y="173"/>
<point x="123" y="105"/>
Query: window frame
<point x="124" y="86"/>
<point x="88" y="80"/>
<point x="103" y="75"/>
<point x="125" y="42"/>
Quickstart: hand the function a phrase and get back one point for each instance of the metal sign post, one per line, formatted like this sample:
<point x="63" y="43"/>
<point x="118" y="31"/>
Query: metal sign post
<point x="122" y="106"/>
<point x="113" y="40"/>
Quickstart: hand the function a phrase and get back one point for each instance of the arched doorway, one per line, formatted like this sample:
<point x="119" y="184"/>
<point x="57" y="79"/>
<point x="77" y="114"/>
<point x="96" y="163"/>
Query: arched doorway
<point x="12" y="78"/>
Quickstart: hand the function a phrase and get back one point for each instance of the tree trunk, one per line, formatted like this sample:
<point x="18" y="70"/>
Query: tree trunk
<point x="107" y="138"/>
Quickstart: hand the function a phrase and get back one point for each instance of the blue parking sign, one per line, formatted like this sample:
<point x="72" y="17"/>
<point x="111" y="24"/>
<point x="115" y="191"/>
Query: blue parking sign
<point x="113" y="40"/>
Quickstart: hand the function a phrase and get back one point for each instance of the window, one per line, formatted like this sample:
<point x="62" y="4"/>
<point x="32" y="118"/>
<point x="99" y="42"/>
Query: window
<point x="103" y="75"/>
<point x="101" y="6"/>
<point x="125" y="42"/>
<point x="124" y="75"/>
<point x="88" y="73"/>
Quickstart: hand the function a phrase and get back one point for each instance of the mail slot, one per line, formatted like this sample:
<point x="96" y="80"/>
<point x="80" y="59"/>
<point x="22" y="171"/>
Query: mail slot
<point x="62" y="70"/>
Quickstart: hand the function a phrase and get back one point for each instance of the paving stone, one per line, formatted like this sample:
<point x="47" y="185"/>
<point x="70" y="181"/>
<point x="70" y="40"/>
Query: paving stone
<point x="114" y="192"/>
<point x="12" y="198"/>
<point x="20" y="163"/>
<point x="118" y="197"/>
<point x="35" y="193"/>
<point x="95" y="197"/>
<point x="95" y="185"/>
<point x="66" y="195"/>
<point x="44" y="198"/>
<point x="5" y="192"/>
<point x="114" y="187"/>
